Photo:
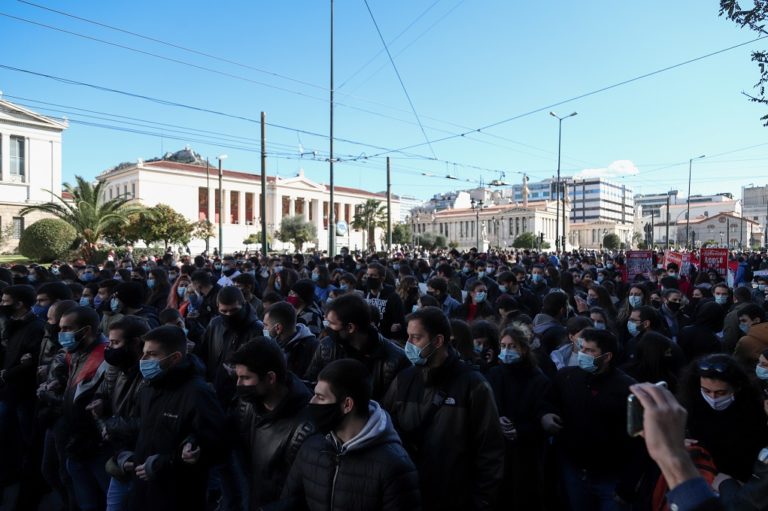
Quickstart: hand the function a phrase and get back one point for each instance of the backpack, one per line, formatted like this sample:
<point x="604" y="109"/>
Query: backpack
<point x="705" y="465"/>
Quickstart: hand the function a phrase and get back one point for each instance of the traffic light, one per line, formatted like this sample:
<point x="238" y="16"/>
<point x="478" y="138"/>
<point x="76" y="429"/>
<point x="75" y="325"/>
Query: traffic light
<point x="541" y="237"/>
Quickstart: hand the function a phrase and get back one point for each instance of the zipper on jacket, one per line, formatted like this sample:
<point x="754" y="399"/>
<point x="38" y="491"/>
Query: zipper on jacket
<point x="336" y="463"/>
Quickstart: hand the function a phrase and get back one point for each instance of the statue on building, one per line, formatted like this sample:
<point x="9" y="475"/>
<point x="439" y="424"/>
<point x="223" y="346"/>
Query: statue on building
<point x="525" y="191"/>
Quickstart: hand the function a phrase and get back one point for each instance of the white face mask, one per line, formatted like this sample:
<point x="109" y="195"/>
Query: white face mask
<point x="719" y="403"/>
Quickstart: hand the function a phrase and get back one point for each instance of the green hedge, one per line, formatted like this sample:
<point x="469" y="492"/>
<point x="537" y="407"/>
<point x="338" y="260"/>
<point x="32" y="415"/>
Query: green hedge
<point x="47" y="239"/>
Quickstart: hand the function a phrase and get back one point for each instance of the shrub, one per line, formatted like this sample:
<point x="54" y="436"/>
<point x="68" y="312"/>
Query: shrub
<point x="47" y="239"/>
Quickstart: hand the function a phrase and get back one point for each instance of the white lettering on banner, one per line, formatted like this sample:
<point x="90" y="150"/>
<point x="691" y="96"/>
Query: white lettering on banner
<point x="378" y="303"/>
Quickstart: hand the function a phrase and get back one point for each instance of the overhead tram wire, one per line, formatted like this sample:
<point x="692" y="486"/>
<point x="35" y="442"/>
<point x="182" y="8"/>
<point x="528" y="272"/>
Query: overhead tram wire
<point x="234" y="116"/>
<point x="256" y="82"/>
<point x="581" y="96"/>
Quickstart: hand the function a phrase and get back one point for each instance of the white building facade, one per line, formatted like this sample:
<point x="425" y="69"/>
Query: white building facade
<point x="192" y="189"/>
<point x="488" y="227"/>
<point x="30" y="167"/>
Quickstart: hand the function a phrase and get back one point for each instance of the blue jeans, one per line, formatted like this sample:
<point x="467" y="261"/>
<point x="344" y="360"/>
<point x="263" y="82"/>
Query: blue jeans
<point x="90" y="481"/>
<point x="117" y="493"/>
<point x="587" y="491"/>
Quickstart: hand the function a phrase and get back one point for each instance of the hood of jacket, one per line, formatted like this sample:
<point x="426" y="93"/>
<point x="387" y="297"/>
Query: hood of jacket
<point x="378" y="430"/>
<point x="302" y="332"/>
<point x="542" y="322"/>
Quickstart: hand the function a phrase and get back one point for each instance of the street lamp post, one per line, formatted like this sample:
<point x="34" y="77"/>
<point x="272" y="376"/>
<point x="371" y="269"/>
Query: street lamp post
<point x="207" y="208"/>
<point x="557" y="199"/>
<point x="476" y="207"/>
<point x="688" y="200"/>
<point x="221" y="206"/>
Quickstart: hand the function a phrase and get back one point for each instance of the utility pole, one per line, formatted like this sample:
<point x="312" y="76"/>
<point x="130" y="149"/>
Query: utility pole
<point x="331" y="216"/>
<point x="263" y="202"/>
<point x="207" y="208"/>
<point x="389" y="206"/>
<point x="667" y="222"/>
<point x="221" y="208"/>
<point x="688" y="207"/>
<point x="565" y="213"/>
<point x="557" y="186"/>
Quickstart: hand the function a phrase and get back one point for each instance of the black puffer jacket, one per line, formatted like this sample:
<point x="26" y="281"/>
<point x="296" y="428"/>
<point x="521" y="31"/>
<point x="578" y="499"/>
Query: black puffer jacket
<point x="176" y="407"/>
<point x="383" y="358"/>
<point x="273" y="440"/>
<point x="20" y="337"/>
<point x="299" y="349"/>
<point x="370" y="472"/>
<point x="460" y="454"/>
<point x="119" y="391"/>
<point x="219" y="341"/>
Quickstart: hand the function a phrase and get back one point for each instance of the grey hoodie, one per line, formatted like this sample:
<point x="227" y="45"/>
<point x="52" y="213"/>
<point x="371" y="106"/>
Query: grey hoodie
<point x="378" y="429"/>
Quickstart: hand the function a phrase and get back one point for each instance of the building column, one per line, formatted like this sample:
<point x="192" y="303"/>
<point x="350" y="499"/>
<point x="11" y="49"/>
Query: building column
<point x="241" y="208"/>
<point x="307" y="204"/>
<point x="211" y="213"/>
<point x="291" y="206"/>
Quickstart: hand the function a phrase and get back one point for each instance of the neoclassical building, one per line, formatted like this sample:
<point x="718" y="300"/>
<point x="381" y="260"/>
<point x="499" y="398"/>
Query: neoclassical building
<point x="192" y="189"/>
<point x="30" y="167"/>
<point x="492" y="226"/>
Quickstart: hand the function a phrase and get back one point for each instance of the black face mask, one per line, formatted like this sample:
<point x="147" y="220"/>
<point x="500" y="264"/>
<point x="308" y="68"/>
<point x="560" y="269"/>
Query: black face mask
<point x="325" y="417"/>
<point x="120" y="357"/>
<point x="7" y="310"/>
<point x="249" y="394"/>
<point x="656" y="304"/>
<point x="52" y="330"/>
<point x="21" y="279"/>
<point x="673" y="306"/>
<point x="234" y="320"/>
<point x="373" y="283"/>
<point x="229" y="272"/>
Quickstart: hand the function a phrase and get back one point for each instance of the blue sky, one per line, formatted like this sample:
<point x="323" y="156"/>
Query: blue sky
<point x="465" y="64"/>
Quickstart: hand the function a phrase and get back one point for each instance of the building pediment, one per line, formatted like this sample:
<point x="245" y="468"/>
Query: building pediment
<point x="15" y="114"/>
<point x="301" y="181"/>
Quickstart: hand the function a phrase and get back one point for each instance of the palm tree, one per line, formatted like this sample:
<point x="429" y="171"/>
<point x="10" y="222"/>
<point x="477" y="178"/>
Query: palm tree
<point x="370" y="215"/>
<point x="88" y="211"/>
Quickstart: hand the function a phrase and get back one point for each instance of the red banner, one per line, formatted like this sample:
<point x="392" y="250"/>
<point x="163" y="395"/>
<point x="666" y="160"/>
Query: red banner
<point x="714" y="259"/>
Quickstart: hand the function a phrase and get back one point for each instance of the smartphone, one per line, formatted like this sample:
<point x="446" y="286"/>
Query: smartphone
<point x="635" y="413"/>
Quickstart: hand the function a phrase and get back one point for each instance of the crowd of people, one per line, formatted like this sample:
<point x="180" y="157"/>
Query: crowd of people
<point x="400" y="381"/>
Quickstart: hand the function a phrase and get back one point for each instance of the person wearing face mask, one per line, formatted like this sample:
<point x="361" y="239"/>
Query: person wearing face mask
<point x="538" y="284"/>
<point x="567" y="354"/>
<point x="549" y="332"/>
<point x="446" y="271"/>
<point x="518" y="385"/>
<point x="444" y="410"/>
<point x="752" y="323"/>
<point x="509" y="285"/>
<point x="742" y="298"/>
<point x="302" y="297"/>
<point x="359" y="463"/>
<point x="20" y="274"/>
<point x="228" y="271"/>
<point x="127" y="301"/>
<point x="202" y="302"/>
<point x="249" y="287"/>
<point x="170" y="464"/>
<point x="84" y="451"/>
<point x="476" y="305"/>
<point x="467" y="272"/>
<point x="271" y="418"/>
<point x="235" y="325"/>
<point x="20" y="338"/>
<point x="385" y="298"/>
<point x="483" y="276"/>
<point x="295" y="339"/>
<point x="48" y="294"/>
<point x="351" y="335"/>
<point x="586" y="407"/>
<point x="673" y="318"/>
<point x="437" y="287"/>
<point x="725" y="414"/>
<point x="115" y="401"/>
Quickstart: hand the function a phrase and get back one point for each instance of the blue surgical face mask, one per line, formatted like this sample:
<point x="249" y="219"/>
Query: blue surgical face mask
<point x="599" y="325"/>
<point x="509" y="356"/>
<point x="600" y="279"/>
<point x="480" y="297"/>
<point x="466" y="269"/>
<point x="115" y="305"/>
<point x="761" y="372"/>
<point x="55" y="270"/>
<point x="502" y="289"/>
<point x="591" y="301"/>
<point x="87" y="277"/>
<point x="68" y="341"/>
<point x="632" y="328"/>
<point x="480" y="274"/>
<point x="216" y="266"/>
<point x="721" y="299"/>
<point x="744" y="327"/>
<point x="97" y="301"/>
<point x="761" y="287"/>
<point x="181" y="291"/>
<point x="479" y="348"/>
<point x="413" y="353"/>
<point x="344" y="287"/>
<point x="41" y="311"/>
<point x="265" y="332"/>
<point x="150" y="283"/>
<point x="415" y="307"/>
<point x="278" y="285"/>
<point x="151" y="369"/>
<point x="718" y="403"/>
<point x="586" y="362"/>
<point x="315" y="276"/>
<point x="537" y="277"/>
<point x="396" y="267"/>
<point x="635" y="301"/>
<point x="84" y="301"/>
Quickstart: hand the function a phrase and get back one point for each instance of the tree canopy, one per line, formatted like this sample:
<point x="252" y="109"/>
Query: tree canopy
<point x="370" y="215"/>
<point x="296" y="230"/>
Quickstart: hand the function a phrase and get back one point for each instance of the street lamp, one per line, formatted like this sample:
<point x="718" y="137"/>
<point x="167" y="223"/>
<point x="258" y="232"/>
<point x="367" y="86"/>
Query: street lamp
<point x="207" y="208"/>
<point x="221" y="206"/>
<point x="476" y="207"/>
<point x="559" y="145"/>
<point x="688" y="200"/>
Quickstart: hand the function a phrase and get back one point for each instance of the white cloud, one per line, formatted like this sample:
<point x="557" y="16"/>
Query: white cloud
<point x="619" y="168"/>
